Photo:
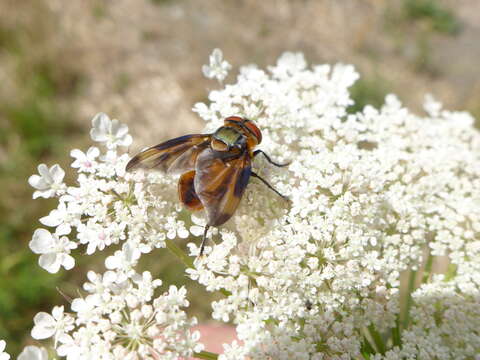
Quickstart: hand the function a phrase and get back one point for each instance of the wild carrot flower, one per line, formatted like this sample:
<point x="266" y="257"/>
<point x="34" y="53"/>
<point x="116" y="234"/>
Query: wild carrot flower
<point x="343" y="271"/>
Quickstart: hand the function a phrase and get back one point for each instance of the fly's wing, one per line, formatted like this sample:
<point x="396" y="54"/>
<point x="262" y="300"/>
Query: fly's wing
<point x="175" y="155"/>
<point x="220" y="183"/>
<point x="186" y="192"/>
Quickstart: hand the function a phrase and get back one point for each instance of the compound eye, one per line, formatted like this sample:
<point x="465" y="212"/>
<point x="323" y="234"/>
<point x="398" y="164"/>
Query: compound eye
<point x="233" y="119"/>
<point x="254" y="129"/>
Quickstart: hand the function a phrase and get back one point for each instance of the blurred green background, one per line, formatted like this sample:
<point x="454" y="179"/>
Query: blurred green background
<point x="62" y="62"/>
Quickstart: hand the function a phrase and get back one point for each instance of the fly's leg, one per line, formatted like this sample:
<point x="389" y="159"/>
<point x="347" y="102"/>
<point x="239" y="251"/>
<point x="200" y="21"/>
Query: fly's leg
<point x="204" y="240"/>
<point x="269" y="186"/>
<point x="256" y="152"/>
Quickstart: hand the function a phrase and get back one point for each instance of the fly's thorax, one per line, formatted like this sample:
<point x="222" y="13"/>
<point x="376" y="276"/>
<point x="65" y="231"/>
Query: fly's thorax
<point x="247" y="127"/>
<point x="227" y="139"/>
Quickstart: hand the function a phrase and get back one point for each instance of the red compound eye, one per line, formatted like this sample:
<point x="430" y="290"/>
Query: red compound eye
<point x="246" y="124"/>
<point x="234" y="119"/>
<point x="254" y="129"/>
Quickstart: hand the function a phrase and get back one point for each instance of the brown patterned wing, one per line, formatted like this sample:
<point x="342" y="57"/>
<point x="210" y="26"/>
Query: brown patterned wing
<point x="220" y="183"/>
<point x="175" y="155"/>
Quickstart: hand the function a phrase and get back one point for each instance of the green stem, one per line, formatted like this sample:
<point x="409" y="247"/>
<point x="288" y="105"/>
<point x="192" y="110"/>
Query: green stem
<point x="366" y="355"/>
<point x="206" y="355"/>
<point x="184" y="258"/>
<point x="377" y="339"/>
<point x="367" y="348"/>
<point x="397" y="339"/>
<point x="428" y="268"/>
<point x="411" y="285"/>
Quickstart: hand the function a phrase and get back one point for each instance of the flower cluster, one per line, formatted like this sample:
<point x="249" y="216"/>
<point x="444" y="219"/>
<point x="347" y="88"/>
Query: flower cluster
<point x="106" y="207"/>
<point x="121" y="320"/>
<point x="375" y="197"/>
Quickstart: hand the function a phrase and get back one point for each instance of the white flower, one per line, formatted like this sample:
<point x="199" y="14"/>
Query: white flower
<point x="65" y="216"/>
<point x="218" y="68"/>
<point x="110" y="132"/>
<point x="3" y="354"/>
<point x="54" y="249"/>
<point x="55" y="325"/>
<point x="86" y="309"/>
<point x="85" y="162"/>
<point x="33" y="353"/>
<point x="49" y="183"/>
<point x="123" y="261"/>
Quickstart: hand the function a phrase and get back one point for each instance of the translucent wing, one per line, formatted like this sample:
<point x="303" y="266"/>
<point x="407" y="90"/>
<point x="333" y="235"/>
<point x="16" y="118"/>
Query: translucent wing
<point x="220" y="183"/>
<point x="175" y="155"/>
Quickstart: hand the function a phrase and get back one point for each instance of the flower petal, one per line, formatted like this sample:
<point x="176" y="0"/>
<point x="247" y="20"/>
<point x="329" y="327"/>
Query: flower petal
<point x="77" y="154"/>
<point x="98" y="135"/>
<point x="68" y="262"/>
<point x="57" y="312"/>
<point x="45" y="173"/>
<point x="49" y="262"/>
<point x="42" y="241"/>
<point x="57" y="173"/>
<point x="93" y="152"/>
<point x="33" y="353"/>
<point x="38" y="182"/>
<point x="53" y="219"/>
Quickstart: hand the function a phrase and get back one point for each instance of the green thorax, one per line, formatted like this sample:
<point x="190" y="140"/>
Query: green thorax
<point x="228" y="135"/>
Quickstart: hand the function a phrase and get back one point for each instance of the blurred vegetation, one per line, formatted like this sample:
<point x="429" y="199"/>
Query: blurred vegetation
<point x="414" y="25"/>
<point x="33" y="129"/>
<point x="368" y="91"/>
<point x="437" y="16"/>
<point x="161" y="2"/>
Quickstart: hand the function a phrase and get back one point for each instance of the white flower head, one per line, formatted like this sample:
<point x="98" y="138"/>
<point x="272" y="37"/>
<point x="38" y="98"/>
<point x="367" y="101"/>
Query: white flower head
<point x="3" y="354"/>
<point x="110" y="132"/>
<point x="33" y="353"/>
<point x="49" y="183"/>
<point x="54" y="249"/>
<point x="218" y="68"/>
<point x="371" y="194"/>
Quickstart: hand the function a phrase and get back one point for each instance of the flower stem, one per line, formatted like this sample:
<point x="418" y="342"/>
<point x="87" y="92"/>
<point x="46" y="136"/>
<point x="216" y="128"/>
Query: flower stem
<point x="365" y="355"/>
<point x="179" y="253"/>
<point x="396" y="337"/>
<point x="206" y="355"/>
<point x="367" y="348"/>
<point x="377" y="339"/>
<point x="428" y="268"/>
<point x="411" y="285"/>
